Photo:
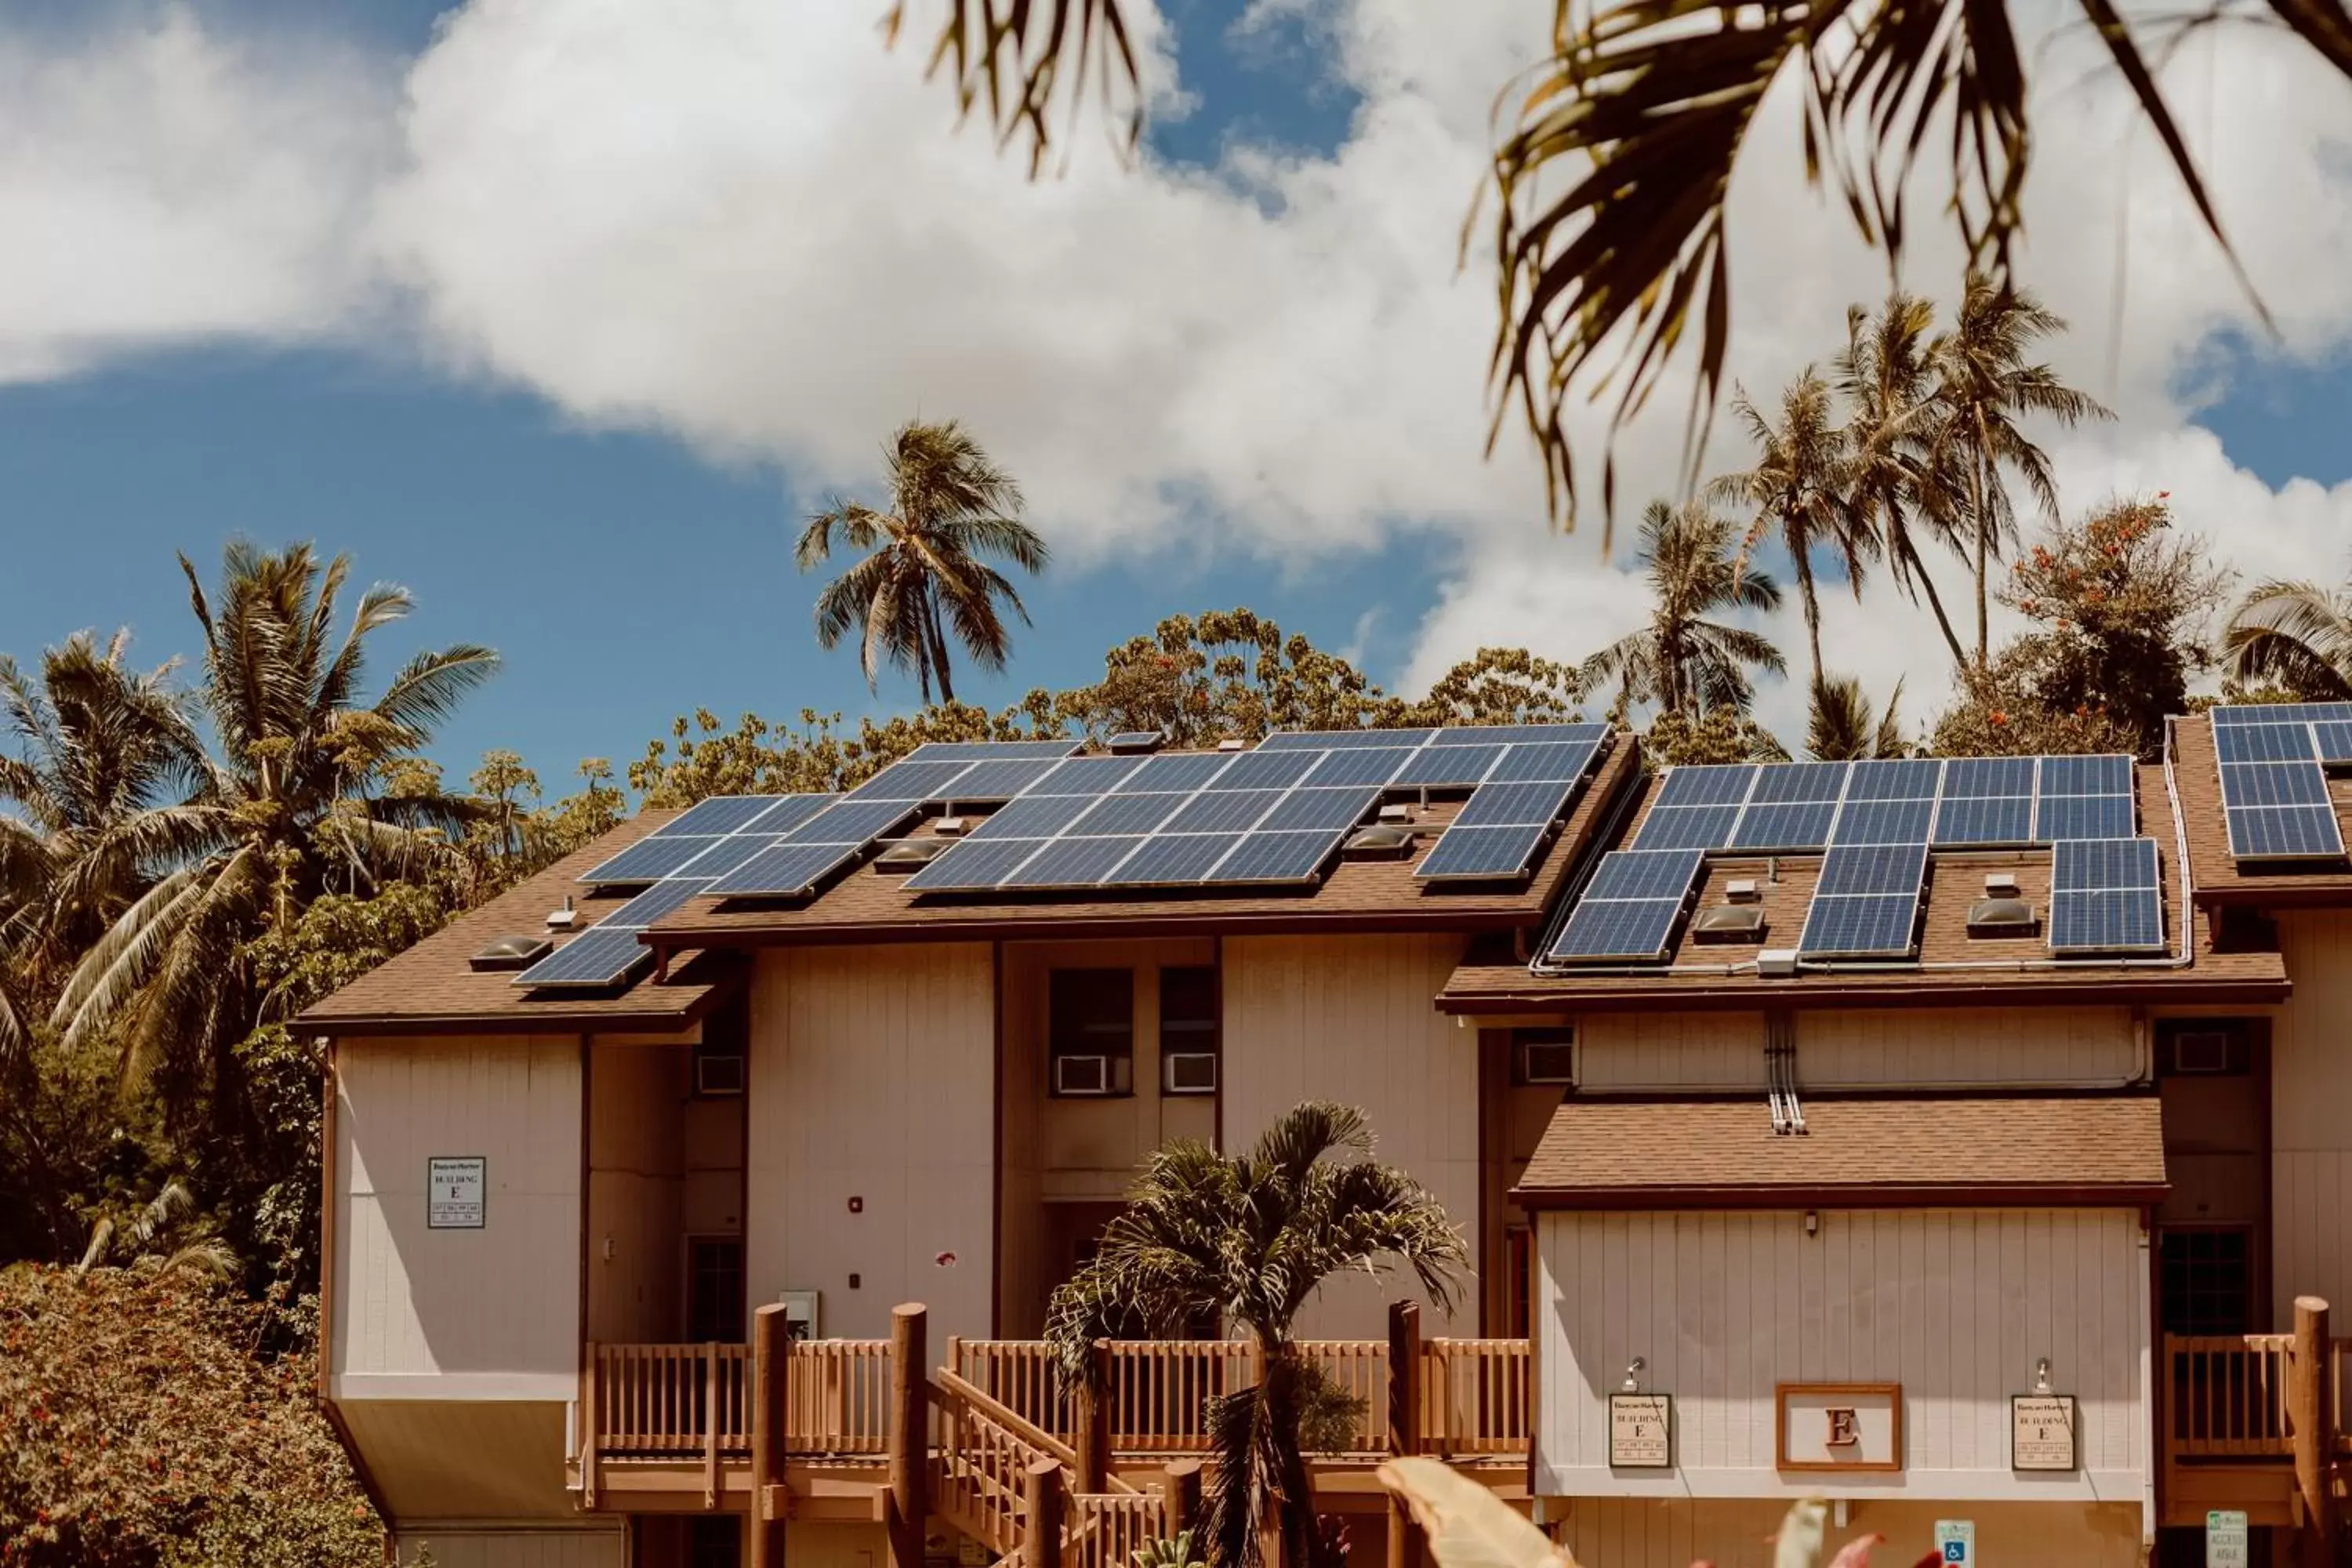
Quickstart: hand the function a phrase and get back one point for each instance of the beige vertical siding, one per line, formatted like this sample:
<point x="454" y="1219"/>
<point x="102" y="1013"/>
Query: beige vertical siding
<point x="473" y="1460"/>
<point x="636" y="1171"/>
<point x="873" y="1077"/>
<point x="459" y="1546"/>
<point x="2311" y="1116"/>
<point x="1957" y="1306"/>
<point x="1911" y="1048"/>
<point x="448" y="1314"/>
<point x="1626" y="1532"/>
<point x="1349" y="1019"/>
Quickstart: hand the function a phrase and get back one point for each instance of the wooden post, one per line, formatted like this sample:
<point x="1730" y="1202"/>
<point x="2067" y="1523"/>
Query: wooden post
<point x="908" y="1508"/>
<point x="1405" y="1544"/>
<point x="771" y="1347"/>
<point x="711" y="1417"/>
<point x="1093" y="1435"/>
<point x="1041" y="1531"/>
<point x="589" y="1400"/>
<point x="2309" y="1389"/>
<point x="1184" y="1500"/>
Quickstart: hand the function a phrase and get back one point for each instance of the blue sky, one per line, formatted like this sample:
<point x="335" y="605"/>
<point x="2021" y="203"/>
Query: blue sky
<point x="629" y="572"/>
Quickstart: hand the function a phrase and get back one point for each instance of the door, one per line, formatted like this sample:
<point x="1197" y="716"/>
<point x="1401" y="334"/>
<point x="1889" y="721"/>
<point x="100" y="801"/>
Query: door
<point x="714" y="1289"/>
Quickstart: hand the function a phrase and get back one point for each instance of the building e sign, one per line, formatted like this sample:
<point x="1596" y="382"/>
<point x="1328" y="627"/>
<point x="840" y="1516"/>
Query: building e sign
<point x="456" y="1189"/>
<point x="2225" y="1539"/>
<point x="1840" y="1427"/>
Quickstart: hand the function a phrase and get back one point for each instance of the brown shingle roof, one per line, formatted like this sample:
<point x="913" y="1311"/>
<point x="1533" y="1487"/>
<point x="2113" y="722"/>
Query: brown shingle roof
<point x="1495" y="982"/>
<point x="1723" y="1154"/>
<point x="2217" y="878"/>
<point x="431" y="989"/>
<point x="867" y="906"/>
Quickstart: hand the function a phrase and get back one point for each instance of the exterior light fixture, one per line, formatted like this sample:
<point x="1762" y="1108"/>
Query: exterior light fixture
<point x="1633" y="1374"/>
<point x="2042" y="1375"/>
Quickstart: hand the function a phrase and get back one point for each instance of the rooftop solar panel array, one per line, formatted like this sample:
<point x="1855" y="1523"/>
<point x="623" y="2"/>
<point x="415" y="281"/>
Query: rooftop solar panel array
<point x="2105" y="897"/>
<point x="2273" y="760"/>
<point x="1866" y="903"/>
<point x="1627" y="913"/>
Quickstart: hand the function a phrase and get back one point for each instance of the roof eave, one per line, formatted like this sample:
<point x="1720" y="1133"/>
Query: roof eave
<point x="1717" y="999"/>
<point x="1855" y="1195"/>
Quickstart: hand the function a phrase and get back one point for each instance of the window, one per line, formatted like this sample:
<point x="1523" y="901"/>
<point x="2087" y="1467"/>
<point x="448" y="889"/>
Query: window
<point x="1090" y="1032"/>
<point x="1542" y="1057"/>
<point x="714" y="1541"/>
<point x="2208" y="1280"/>
<point x="1188" y="1030"/>
<point x="714" y="1289"/>
<point x="2203" y="1045"/>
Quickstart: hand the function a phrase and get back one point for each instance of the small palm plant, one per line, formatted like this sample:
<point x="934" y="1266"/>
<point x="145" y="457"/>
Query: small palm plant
<point x="1251" y="1239"/>
<point x="1178" y="1553"/>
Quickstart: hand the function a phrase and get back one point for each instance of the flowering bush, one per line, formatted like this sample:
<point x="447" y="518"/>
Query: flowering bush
<point x="138" y="1429"/>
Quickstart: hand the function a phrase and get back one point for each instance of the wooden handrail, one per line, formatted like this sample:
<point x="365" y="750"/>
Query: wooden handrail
<point x="694" y="1402"/>
<point x="1476" y="1397"/>
<point x="2226" y="1394"/>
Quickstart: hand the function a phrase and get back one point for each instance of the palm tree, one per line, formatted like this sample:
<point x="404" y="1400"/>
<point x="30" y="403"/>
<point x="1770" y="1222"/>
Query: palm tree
<point x="1983" y="388"/>
<point x="1682" y="661"/>
<point x="285" y="806"/>
<point x="1801" y="490"/>
<point x="2294" y="635"/>
<point x="1843" y="729"/>
<point x="1883" y="375"/>
<point x="949" y="505"/>
<point x="96" y="744"/>
<point x="1252" y="1238"/>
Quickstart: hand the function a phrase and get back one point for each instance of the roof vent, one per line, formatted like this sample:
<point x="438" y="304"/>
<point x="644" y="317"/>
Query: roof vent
<point x="1396" y="813"/>
<point x="911" y="855"/>
<point x="1741" y="891"/>
<point x="1381" y="841"/>
<point x="2000" y="884"/>
<point x="1235" y="745"/>
<point x="2001" y="917"/>
<point x="1777" y="962"/>
<point x="562" y="918"/>
<point x="1730" y="922"/>
<point x="951" y="826"/>
<point x="511" y="953"/>
<point x="1136" y="743"/>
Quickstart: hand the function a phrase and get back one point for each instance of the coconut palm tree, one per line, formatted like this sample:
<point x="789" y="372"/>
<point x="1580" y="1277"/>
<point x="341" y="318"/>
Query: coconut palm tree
<point x="1801" y="490"/>
<point x="949" y="505"/>
<point x="1984" y="389"/>
<point x="285" y="806"/>
<point x="1682" y="661"/>
<point x="2294" y="635"/>
<point x="1901" y="493"/>
<point x="1842" y="727"/>
<point x="1251" y="1239"/>
<point x="96" y="743"/>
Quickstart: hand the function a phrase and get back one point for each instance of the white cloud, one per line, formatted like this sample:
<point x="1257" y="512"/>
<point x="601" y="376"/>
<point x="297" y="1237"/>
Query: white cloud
<point x="747" y="224"/>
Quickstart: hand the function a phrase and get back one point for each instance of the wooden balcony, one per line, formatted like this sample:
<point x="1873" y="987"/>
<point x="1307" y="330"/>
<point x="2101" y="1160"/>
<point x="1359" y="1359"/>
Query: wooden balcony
<point x="2242" y="1426"/>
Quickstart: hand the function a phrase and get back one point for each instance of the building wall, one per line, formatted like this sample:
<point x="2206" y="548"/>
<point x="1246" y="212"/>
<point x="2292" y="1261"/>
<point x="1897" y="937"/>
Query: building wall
<point x="1351" y="1018"/>
<point x="1912" y="1049"/>
<point x="872" y="1078"/>
<point x="2311" y="1117"/>
<point x="459" y="1546"/>
<point x="636" y="1175"/>
<point x="491" y="1313"/>
<point x="1957" y="1306"/>
<point x="476" y="1459"/>
<point x="1626" y="1533"/>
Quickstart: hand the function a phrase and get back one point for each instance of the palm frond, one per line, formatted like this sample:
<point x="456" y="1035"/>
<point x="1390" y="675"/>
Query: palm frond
<point x="1025" y="59"/>
<point x="429" y="689"/>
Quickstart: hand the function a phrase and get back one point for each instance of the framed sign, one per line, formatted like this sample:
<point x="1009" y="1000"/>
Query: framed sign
<point x="2042" y="1432"/>
<point x="1641" y="1431"/>
<point x="1840" y="1425"/>
<point x="457" y="1192"/>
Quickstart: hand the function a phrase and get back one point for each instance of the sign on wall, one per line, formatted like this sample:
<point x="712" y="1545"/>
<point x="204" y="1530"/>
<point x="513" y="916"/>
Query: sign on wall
<point x="2225" y="1539"/>
<point x="1840" y="1425"/>
<point x="2042" y="1432"/>
<point x="457" y="1192"/>
<point x="1642" y="1431"/>
<point x="1956" y="1542"/>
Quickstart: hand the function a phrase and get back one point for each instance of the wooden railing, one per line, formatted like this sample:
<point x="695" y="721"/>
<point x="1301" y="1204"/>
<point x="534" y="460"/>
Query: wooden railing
<point x="655" y="1400"/>
<point x="985" y="1453"/>
<point x="837" y="1397"/>
<point x="1477" y="1396"/>
<point x="2226" y="1394"/>
<point x="1105" y="1531"/>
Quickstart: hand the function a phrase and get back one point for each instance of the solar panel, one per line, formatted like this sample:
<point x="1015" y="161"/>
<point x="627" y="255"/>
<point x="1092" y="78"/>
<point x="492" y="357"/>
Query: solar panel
<point x="1629" y="909"/>
<point x="733" y="813"/>
<point x="1344" y="739"/>
<point x="1784" y="827"/>
<point x="1172" y="859"/>
<point x="1277" y="858"/>
<point x="1687" y="827"/>
<point x="1514" y="804"/>
<point x="655" y="902"/>
<point x="2281" y="713"/>
<point x="1482" y="854"/>
<point x="1036" y="816"/>
<point x="996" y="780"/>
<point x="1883" y="822"/>
<point x="1225" y="811"/>
<point x="1185" y="770"/>
<point x="1360" y="765"/>
<point x="990" y="751"/>
<point x="1984" y="819"/>
<point x="2105" y="775"/>
<point x="1088" y="776"/>
<point x="650" y="859"/>
<point x="1272" y="770"/>
<point x="974" y="865"/>
<point x="2284" y="833"/>
<point x="1321" y="808"/>
<point x="1529" y="735"/>
<point x="1708" y="784"/>
<point x="1127" y="812"/>
<point x="1895" y="778"/>
<point x="1879" y="925"/>
<point x="2334" y="739"/>
<point x="1445" y="767"/>
<point x="852" y="822"/>
<point x="597" y="958"/>
<point x="1974" y="778"/>
<point x="1872" y="868"/>
<point x="2274" y="798"/>
<point x="2105" y="896"/>
<point x="1072" y="862"/>
<point x="2272" y="784"/>
<point x="1523" y="763"/>
<point x="2084" y="816"/>
<point x="2265" y="744"/>
<point x="786" y="871"/>
<point x="1800" y="781"/>
<point x="729" y="853"/>
<point x="911" y="781"/>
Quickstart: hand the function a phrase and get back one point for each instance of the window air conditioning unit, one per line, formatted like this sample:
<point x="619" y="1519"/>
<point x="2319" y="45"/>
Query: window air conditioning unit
<point x="803" y="1313"/>
<point x="1189" y="1072"/>
<point x="2200" y="1050"/>
<point x="717" y="1074"/>
<point x="1547" y="1061"/>
<point x="1081" y="1075"/>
